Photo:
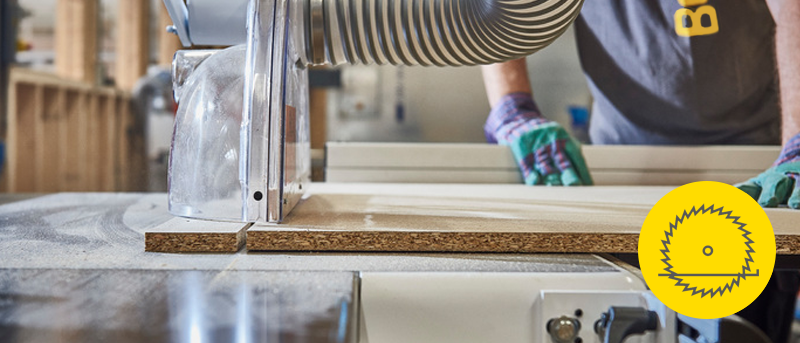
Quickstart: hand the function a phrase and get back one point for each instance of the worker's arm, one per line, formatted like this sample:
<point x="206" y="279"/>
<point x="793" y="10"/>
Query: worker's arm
<point x="502" y="79"/>
<point x="781" y="183"/>
<point x="545" y="152"/>
<point x="786" y="14"/>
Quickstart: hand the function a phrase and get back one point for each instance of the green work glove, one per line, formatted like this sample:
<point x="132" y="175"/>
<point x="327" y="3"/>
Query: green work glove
<point x="779" y="184"/>
<point x="545" y="152"/>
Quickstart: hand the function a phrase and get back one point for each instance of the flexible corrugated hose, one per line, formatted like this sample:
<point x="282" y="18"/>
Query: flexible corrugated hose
<point x="432" y="32"/>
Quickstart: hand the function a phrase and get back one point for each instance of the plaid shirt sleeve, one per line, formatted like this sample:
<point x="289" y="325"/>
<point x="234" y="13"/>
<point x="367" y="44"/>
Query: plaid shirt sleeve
<point x="515" y="114"/>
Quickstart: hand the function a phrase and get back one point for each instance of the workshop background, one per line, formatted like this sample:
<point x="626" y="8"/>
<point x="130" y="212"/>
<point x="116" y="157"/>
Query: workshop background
<point x="94" y="56"/>
<point x="87" y="105"/>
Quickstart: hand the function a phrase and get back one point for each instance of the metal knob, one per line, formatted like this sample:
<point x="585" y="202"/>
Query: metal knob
<point x="563" y="329"/>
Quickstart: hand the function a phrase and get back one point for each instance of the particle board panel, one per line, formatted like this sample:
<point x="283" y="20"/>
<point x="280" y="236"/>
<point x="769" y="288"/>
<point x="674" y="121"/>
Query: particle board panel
<point x="475" y="218"/>
<point x="191" y="235"/>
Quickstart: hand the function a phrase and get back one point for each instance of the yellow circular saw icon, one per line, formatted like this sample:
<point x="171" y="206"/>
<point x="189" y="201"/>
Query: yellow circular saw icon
<point x="706" y="250"/>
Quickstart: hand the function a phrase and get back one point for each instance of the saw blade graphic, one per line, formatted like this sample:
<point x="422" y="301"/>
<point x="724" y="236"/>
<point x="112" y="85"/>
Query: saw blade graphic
<point x="707" y="251"/>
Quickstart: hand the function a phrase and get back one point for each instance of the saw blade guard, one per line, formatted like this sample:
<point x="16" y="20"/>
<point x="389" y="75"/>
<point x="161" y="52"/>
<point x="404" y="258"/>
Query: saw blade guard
<point x="276" y="155"/>
<point x="204" y="159"/>
<point x="241" y="145"/>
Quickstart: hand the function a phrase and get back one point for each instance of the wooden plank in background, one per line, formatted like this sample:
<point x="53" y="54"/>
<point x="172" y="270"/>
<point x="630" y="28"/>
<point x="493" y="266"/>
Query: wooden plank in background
<point x="48" y="140"/>
<point x="81" y="139"/>
<point x="132" y="55"/>
<point x="92" y="176"/>
<point x="137" y="151"/>
<point x="71" y="146"/>
<point x="24" y="109"/>
<point x="318" y="107"/>
<point x="476" y="218"/>
<point x="76" y="39"/>
<point x="318" y="102"/>
<point x="192" y="235"/>
<point x="106" y="120"/>
<point x="63" y="136"/>
<point x="121" y="166"/>
<point x="131" y="164"/>
<point x="168" y="43"/>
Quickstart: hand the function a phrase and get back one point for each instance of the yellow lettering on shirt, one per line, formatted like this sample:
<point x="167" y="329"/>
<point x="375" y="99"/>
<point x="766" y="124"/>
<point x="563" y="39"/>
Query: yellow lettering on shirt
<point x="692" y="3"/>
<point x="697" y="28"/>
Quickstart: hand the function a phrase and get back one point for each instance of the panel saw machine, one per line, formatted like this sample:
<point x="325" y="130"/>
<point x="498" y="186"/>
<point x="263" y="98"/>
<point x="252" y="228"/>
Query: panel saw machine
<point x="241" y="152"/>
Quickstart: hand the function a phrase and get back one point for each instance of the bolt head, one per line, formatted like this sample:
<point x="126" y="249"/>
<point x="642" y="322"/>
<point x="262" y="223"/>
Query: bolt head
<point x="563" y="329"/>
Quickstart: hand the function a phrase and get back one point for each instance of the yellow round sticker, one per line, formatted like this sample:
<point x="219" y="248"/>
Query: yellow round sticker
<point x="707" y="250"/>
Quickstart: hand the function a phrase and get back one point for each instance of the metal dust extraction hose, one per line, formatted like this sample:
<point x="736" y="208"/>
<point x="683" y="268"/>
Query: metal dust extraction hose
<point x="410" y="32"/>
<point x="432" y="32"/>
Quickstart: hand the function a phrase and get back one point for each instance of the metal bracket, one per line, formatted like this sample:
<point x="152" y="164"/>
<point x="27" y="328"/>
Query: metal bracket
<point x="180" y="18"/>
<point x="620" y="322"/>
